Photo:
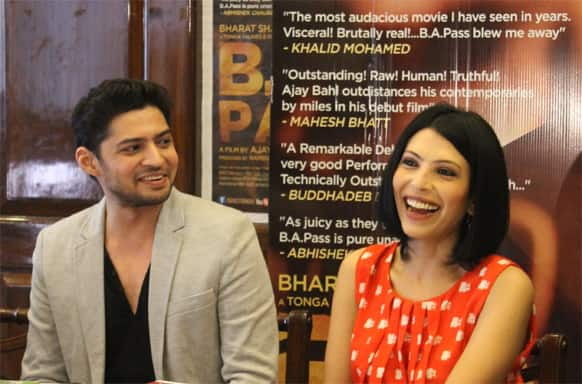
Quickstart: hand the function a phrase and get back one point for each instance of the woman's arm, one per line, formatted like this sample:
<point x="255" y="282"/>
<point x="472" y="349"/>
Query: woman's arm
<point x="501" y="331"/>
<point x="343" y="314"/>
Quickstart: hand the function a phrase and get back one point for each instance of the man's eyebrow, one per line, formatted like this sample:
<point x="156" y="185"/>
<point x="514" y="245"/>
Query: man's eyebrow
<point x="133" y="140"/>
<point x="164" y="133"/>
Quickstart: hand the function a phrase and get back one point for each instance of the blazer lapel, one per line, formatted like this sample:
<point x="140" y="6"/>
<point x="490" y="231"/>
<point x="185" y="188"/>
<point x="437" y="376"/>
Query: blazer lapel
<point x="167" y="245"/>
<point x="90" y="295"/>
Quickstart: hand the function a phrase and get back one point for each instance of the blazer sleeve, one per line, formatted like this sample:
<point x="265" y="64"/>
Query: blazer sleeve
<point x="43" y="360"/>
<point x="247" y="315"/>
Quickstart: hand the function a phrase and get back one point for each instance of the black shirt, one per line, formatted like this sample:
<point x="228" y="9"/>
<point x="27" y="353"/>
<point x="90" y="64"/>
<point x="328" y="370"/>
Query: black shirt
<point x="128" y="357"/>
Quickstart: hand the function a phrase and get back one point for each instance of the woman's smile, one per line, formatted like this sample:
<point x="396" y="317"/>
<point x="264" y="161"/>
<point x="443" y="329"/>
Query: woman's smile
<point x="431" y="186"/>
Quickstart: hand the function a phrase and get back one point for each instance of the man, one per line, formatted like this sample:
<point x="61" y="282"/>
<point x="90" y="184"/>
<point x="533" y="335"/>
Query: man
<point x="149" y="283"/>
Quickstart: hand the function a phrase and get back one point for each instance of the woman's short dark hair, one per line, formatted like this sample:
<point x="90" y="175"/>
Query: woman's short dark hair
<point x="94" y="112"/>
<point x="482" y="233"/>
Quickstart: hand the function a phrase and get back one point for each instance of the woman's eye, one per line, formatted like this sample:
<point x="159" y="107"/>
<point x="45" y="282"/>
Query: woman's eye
<point x="446" y="172"/>
<point x="407" y="161"/>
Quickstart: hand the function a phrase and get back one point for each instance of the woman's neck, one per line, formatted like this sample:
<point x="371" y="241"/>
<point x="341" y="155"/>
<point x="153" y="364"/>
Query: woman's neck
<point x="425" y="272"/>
<point x="430" y="259"/>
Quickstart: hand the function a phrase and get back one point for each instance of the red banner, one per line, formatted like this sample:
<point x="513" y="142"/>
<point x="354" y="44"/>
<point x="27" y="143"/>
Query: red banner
<point x="349" y="75"/>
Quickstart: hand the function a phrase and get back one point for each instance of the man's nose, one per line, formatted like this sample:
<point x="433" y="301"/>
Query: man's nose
<point x="153" y="156"/>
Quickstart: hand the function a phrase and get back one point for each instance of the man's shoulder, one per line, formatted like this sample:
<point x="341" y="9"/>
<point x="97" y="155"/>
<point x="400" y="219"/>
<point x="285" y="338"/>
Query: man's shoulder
<point x="201" y="208"/>
<point x="74" y="221"/>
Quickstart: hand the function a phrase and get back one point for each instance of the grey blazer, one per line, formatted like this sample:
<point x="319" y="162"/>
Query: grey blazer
<point x="211" y="309"/>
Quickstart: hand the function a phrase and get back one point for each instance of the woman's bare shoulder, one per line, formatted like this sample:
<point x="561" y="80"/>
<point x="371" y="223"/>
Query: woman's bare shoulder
<point x="516" y="280"/>
<point x="349" y="264"/>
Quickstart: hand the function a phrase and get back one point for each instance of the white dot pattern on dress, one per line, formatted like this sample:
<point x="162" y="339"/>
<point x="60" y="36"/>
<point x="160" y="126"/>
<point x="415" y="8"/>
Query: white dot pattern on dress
<point x="396" y="303"/>
<point x="445" y="355"/>
<point x="380" y="372"/>
<point x="456" y="322"/>
<point x="429" y="305"/>
<point x="464" y="287"/>
<point x="362" y="288"/>
<point x="430" y="373"/>
<point x="391" y="338"/>
<point x="459" y="336"/>
<point x="398" y="374"/>
<point x="369" y="323"/>
<point x="423" y="339"/>
<point x="445" y="305"/>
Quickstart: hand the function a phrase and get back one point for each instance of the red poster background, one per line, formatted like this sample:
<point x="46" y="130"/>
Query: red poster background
<point x="532" y="99"/>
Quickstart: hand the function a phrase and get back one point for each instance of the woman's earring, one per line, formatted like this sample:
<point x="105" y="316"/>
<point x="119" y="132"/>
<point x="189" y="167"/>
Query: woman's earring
<point x="468" y="221"/>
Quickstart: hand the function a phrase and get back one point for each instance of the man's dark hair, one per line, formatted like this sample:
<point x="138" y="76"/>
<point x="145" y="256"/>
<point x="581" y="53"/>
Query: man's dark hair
<point x="94" y="112"/>
<point x="482" y="233"/>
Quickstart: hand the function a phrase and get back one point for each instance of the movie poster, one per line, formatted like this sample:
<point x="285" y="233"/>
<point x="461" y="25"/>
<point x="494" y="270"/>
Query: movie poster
<point x="349" y="75"/>
<point x="241" y="103"/>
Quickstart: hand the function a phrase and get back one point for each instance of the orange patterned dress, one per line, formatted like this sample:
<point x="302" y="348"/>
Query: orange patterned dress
<point x="396" y="340"/>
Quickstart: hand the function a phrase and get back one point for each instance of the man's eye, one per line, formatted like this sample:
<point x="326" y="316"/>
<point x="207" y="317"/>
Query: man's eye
<point x="166" y="141"/>
<point x="130" y="148"/>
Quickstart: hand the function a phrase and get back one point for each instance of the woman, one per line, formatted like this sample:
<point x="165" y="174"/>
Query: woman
<point x="439" y="305"/>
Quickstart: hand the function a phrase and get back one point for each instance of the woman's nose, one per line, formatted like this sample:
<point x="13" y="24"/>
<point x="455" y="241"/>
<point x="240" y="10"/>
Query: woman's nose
<point x="421" y="179"/>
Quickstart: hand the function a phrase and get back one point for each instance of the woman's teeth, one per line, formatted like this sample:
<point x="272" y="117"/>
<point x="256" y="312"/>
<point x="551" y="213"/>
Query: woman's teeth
<point x="420" y="205"/>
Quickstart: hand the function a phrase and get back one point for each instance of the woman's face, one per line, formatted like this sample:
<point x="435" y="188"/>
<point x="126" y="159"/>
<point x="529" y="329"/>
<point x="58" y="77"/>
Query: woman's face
<point x="431" y="187"/>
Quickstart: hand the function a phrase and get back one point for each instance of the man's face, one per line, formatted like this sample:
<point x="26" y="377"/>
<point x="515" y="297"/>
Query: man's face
<point x="138" y="162"/>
